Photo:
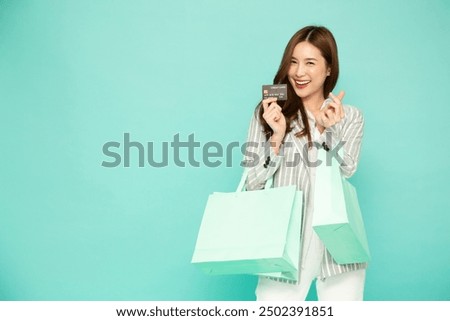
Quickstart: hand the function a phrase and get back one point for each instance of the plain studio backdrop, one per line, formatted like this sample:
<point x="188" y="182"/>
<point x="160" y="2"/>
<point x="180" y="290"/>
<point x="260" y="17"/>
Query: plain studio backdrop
<point x="75" y="75"/>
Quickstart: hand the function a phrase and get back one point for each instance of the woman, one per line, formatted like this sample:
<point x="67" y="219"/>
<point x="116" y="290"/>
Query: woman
<point x="284" y="139"/>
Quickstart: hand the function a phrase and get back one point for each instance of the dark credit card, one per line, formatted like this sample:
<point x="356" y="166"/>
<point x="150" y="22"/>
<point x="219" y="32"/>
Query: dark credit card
<point x="278" y="91"/>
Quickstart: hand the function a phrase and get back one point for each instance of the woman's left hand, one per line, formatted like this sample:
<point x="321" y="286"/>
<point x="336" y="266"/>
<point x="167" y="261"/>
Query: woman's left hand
<point x="333" y="113"/>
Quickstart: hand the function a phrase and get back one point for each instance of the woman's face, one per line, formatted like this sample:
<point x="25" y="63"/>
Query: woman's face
<point x="307" y="72"/>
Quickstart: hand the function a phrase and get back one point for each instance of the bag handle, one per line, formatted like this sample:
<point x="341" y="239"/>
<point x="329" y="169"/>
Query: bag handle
<point x="241" y="185"/>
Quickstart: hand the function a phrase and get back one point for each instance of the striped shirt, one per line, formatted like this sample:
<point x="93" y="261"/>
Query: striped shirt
<point x="294" y="165"/>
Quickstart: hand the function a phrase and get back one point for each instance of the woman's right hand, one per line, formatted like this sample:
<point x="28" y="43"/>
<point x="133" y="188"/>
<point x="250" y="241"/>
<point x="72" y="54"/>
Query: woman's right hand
<point x="274" y="117"/>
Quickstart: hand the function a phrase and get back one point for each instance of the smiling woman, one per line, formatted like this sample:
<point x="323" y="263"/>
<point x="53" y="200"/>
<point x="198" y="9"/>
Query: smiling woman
<point x="312" y="50"/>
<point x="78" y="74"/>
<point x="308" y="72"/>
<point x="311" y="118"/>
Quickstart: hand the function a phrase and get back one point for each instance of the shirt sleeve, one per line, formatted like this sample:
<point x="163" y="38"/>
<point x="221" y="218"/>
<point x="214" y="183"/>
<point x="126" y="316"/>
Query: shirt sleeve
<point x="259" y="156"/>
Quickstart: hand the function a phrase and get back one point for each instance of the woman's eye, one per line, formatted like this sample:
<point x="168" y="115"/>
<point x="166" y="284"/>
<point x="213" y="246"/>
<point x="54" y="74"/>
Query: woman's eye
<point x="293" y="62"/>
<point x="310" y="63"/>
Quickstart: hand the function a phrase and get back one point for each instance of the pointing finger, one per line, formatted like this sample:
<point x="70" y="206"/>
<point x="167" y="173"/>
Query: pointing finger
<point x="338" y="99"/>
<point x="341" y="95"/>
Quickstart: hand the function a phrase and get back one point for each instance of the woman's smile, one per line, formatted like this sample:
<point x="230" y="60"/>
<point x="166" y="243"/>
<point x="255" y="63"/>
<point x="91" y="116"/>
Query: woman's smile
<point x="301" y="84"/>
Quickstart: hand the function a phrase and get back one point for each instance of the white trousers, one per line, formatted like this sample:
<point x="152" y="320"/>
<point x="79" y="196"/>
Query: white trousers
<point x="348" y="286"/>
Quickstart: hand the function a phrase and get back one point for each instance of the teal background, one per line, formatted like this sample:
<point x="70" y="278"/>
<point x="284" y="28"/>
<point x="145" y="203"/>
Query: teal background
<point x="77" y="74"/>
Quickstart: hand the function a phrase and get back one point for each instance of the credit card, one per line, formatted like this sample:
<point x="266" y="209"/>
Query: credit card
<point x="278" y="91"/>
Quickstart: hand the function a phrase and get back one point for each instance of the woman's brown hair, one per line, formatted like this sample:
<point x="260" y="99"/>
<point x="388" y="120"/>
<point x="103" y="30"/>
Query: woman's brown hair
<point x="323" y="39"/>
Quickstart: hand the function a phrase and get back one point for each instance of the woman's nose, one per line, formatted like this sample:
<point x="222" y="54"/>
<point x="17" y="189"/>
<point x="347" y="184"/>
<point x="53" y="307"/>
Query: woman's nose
<point x="300" y="71"/>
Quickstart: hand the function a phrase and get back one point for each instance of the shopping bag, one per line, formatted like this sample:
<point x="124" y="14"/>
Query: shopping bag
<point x="251" y="232"/>
<point x="337" y="218"/>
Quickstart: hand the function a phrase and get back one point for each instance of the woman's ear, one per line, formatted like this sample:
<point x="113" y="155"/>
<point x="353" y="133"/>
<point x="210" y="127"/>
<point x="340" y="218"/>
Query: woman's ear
<point x="328" y="71"/>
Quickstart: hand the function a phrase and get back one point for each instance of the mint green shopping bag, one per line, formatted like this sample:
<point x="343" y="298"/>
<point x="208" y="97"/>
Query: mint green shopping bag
<point x="251" y="232"/>
<point x="337" y="216"/>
